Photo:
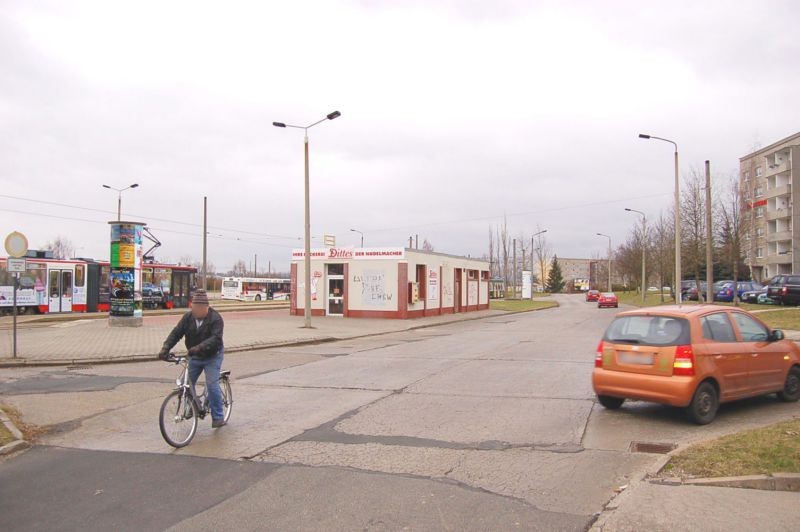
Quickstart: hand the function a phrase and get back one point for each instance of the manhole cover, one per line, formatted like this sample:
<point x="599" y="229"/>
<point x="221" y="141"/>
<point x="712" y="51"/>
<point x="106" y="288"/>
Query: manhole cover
<point x="651" y="447"/>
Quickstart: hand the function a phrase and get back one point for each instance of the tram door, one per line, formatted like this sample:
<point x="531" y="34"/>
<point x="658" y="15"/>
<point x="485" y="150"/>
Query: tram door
<point x="60" y="290"/>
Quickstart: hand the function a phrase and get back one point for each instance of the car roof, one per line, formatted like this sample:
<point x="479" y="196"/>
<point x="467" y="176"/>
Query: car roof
<point x="682" y="311"/>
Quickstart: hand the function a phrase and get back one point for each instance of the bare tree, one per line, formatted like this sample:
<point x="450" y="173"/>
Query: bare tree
<point x="492" y="264"/>
<point x="426" y="245"/>
<point x="662" y="237"/>
<point x="239" y="268"/>
<point x="693" y="225"/>
<point x="505" y="243"/>
<point x="733" y="223"/>
<point x="61" y="247"/>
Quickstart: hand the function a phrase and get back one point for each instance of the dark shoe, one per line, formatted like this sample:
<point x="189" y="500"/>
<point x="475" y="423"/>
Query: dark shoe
<point x="217" y="423"/>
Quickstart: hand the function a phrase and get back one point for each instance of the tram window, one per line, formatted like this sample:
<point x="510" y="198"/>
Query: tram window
<point x="80" y="277"/>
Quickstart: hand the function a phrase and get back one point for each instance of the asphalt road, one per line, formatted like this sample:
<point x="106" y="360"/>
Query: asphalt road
<point x="489" y="424"/>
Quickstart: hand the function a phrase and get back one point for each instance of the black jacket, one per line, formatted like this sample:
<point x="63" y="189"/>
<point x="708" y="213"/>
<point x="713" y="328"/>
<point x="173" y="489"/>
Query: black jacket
<point x="208" y="337"/>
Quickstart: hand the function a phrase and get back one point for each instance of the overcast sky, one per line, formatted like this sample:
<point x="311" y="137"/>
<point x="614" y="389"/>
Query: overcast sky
<point x="453" y="114"/>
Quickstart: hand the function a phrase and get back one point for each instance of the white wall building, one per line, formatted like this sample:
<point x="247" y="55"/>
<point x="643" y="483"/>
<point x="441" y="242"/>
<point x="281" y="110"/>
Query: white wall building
<point x="395" y="283"/>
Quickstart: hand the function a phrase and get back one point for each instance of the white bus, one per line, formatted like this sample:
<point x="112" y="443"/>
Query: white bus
<point x="256" y="289"/>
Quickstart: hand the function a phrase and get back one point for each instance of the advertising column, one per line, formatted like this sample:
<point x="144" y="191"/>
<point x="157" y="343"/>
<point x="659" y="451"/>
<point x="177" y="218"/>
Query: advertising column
<point x="125" y="279"/>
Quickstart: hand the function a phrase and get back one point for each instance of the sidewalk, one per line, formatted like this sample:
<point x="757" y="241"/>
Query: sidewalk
<point x="93" y="341"/>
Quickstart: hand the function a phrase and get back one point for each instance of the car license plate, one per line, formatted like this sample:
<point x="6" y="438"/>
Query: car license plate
<point x="642" y="359"/>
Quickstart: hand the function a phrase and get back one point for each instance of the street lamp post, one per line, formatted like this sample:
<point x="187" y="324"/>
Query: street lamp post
<point x="678" y="275"/>
<point x="119" y="197"/>
<point x="360" y="233"/>
<point x="307" y="261"/>
<point x="609" y="259"/>
<point x="644" y="247"/>
<point x="541" y="273"/>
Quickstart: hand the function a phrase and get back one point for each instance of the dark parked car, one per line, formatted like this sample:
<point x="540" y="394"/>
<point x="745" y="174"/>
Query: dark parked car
<point x="756" y="295"/>
<point x="785" y="289"/>
<point x="723" y="290"/>
<point x="690" y="292"/>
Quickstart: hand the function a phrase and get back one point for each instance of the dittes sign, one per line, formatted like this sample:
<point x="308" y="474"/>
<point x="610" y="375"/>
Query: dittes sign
<point x="351" y="253"/>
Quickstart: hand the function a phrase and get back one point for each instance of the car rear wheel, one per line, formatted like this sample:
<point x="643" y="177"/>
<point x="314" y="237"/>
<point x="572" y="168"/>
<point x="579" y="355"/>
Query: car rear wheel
<point x="791" y="388"/>
<point x="612" y="403"/>
<point x="705" y="403"/>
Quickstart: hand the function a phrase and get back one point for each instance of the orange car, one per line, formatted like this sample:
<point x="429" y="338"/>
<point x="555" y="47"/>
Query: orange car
<point x="694" y="357"/>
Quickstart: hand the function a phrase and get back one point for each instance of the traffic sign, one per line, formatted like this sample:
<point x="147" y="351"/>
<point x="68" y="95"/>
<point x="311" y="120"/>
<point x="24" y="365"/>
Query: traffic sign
<point x="16" y="265"/>
<point x="16" y="245"/>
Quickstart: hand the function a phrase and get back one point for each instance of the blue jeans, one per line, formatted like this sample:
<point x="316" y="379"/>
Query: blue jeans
<point x="212" y="368"/>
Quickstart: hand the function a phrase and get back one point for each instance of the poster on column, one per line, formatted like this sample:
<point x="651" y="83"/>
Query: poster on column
<point x="125" y="279"/>
<point x="526" y="284"/>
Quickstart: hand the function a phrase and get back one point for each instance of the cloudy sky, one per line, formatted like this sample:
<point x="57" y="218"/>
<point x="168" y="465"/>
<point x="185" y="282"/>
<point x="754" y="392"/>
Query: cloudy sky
<point x="454" y="114"/>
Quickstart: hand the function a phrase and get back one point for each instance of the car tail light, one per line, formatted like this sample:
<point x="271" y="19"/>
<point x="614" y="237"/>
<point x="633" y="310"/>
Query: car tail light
<point x="784" y="290"/>
<point x="684" y="361"/>
<point x="598" y="356"/>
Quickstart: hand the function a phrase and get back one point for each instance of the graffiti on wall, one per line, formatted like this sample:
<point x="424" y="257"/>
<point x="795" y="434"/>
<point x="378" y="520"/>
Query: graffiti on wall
<point x="374" y="292"/>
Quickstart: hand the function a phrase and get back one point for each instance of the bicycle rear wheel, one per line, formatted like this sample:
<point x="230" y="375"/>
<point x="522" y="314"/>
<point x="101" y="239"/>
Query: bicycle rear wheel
<point x="227" y="398"/>
<point x="178" y="419"/>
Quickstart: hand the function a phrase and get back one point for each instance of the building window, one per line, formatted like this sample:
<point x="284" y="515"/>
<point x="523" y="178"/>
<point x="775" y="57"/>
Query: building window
<point x="747" y="176"/>
<point x="759" y="253"/>
<point x="758" y="171"/>
<point x="759" y="212"/>
<point x="760" y="231"/>
<point x="759" y="191"/>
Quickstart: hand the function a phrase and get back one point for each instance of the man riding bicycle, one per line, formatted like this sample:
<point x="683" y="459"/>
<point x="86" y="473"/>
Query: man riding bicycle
<point x="202" y="330"/>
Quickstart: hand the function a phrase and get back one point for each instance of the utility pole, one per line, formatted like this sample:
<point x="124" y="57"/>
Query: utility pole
<point x="255" y="263"/>
<point x="522" y="264"/>
<point x="410" y="242"/>
<point x="416" y="241"/>
<point x="514" y="269"/>
<point x="532" y="267"/>
<point x="709" y="232"/>
<point x="205" y="241"/>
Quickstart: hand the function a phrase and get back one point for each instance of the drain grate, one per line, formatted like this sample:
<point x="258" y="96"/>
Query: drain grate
<point x="73" y="368"/>
<point x="651" y="447"/>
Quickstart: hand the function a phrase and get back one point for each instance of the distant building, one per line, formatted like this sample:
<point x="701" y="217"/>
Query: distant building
<point x="595" y="270"/>
<point x="768" y="177"/>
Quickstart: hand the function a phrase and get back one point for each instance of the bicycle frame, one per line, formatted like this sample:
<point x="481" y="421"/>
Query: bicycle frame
<point x="184" y="384"/>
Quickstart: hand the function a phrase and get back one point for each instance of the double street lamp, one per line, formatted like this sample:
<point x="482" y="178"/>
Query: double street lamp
<point x="119" y="197"/>
<point x="677" y="218"/>
<point x="644" y="247"/>
<point x="307" y="261"/>
<point x="609" y="259"/>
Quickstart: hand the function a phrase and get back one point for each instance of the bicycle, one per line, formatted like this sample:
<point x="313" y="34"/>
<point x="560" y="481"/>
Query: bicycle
<point x="183" y="407"/>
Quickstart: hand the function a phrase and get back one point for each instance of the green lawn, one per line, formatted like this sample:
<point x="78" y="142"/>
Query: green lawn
<point x="788" y="318"/>
<point x="518" y="305"/>
<point x="653" y="299"/>
<point x="773" y="449"/>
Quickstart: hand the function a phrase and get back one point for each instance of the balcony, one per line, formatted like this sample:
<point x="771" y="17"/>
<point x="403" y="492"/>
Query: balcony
<point x="777" y="214"/>
<point x="779" y="259"/>
<point x="778" y="191"/>
<point x="779" y="236"/>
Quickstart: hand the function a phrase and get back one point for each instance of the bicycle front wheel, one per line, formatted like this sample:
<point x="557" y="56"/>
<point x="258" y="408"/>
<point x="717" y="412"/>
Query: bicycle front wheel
<point x="227" y="398"/>
<point x="178" y="419"/>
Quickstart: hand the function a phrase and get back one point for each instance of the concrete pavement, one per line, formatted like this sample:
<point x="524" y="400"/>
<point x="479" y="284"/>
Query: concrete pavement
<point x="488" y="424"/>
<point x="87" y="340"/>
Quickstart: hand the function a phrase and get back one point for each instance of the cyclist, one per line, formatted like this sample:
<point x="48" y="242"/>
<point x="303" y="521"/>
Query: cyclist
<point x="201" y="329"/>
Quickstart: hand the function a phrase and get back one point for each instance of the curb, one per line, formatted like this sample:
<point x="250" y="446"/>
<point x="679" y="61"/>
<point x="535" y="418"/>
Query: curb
<point x="24" y="363"/>
<point x="774" y="482"/>
<point x="19" y="443"/>
<point x="47" y="319"/>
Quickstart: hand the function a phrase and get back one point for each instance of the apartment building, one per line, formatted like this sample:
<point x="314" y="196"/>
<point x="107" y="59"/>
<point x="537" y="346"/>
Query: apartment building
<point x="768" y="176"/>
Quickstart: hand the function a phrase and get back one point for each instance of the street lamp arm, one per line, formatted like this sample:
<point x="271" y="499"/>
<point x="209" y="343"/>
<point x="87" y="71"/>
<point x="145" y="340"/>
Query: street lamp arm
<point x="648" y="137"/>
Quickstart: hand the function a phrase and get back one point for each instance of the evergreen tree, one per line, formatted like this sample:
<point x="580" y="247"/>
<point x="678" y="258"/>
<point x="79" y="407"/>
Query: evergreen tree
<point x="555" y="281"/>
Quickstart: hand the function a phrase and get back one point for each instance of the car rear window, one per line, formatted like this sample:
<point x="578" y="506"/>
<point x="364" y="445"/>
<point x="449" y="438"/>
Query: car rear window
<point x="649" y="330"/>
